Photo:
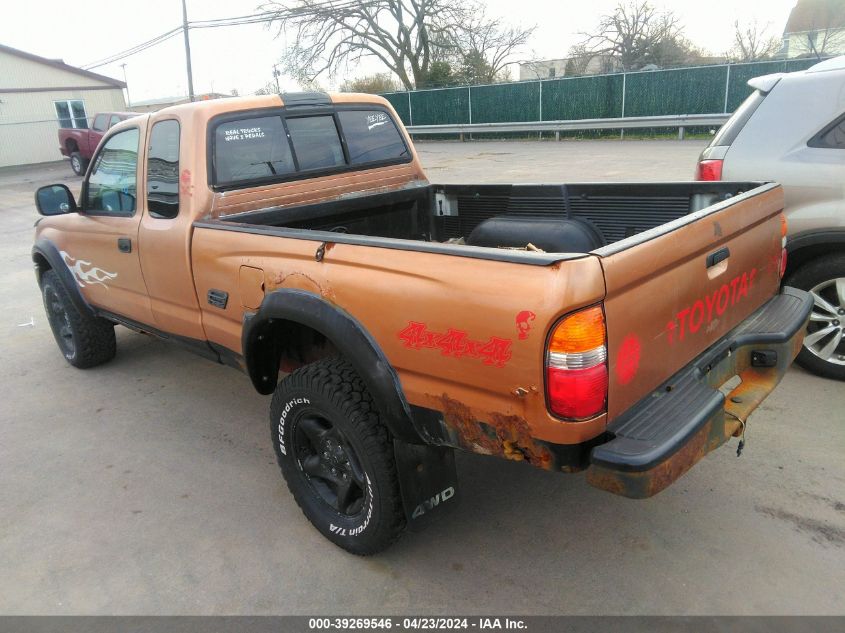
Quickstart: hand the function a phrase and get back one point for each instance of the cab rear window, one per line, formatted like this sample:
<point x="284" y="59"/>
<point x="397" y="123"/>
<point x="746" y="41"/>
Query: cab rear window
<point x="278" y="147"/>
<point x="316" y="142"/>
<point x="371" y="135"/>
<point x="251" y="149"/>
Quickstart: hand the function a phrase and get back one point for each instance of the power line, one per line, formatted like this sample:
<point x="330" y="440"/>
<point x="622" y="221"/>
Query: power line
<point x="241" y="19"/>
<point x="256" y="18"/>
<point x="135" y="49"/>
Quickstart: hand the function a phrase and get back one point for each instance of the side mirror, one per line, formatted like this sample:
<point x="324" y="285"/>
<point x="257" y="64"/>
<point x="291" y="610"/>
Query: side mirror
<point x="55" y="200"/>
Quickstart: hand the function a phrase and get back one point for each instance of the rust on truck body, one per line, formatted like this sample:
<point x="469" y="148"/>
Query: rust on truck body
<point x="729" y="421"/>
<point x="507" y="436"/>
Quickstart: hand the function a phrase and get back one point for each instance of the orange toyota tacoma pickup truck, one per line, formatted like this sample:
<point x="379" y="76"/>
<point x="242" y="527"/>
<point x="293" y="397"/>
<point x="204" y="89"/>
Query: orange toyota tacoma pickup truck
<point x="624" y="330"/>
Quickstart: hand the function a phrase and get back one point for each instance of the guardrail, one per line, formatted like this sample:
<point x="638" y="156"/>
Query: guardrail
<point x="680" y="121"/>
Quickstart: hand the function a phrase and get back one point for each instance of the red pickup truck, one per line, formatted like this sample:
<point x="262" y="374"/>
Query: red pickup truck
<point x="79" y="144"/>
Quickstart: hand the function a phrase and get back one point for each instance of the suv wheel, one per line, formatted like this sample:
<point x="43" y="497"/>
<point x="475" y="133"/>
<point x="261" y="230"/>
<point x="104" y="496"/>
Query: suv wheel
<point x="337" y="456"/>
<point x="84" y="340"/>
<point x="824" y="345"/>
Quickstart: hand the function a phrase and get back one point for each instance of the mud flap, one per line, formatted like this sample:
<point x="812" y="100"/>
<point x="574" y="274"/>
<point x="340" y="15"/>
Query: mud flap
<point x="428" y="481"/>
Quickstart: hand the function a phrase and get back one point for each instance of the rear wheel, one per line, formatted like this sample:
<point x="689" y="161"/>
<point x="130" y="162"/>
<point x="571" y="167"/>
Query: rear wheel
<point x="337" y="456"/>
<point x="84" y="340"/>
<point x="824" y="344"/>
<point x="78" y="164"/>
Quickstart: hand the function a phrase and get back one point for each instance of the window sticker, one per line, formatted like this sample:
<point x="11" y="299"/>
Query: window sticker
<point x="242" y="133"/>
<point x="375" y="119"/>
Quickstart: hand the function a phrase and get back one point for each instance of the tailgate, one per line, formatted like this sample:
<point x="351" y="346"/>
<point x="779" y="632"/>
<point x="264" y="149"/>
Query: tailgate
<point x="675" y="290"/>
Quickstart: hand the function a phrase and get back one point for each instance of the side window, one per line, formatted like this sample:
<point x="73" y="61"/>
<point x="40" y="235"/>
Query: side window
<point x="371" y="136"/>
<point x="729" y="131"/>
<point x="101" y="122"/>
<point x="316" y="142"/>
<point x="163" y="170"/>
<point x="111" y="188"/>
<point x="250" y="149"/>
<point x="832" y="137"/>
<point x="71" y="114"/>
<point x="115" y="119"/>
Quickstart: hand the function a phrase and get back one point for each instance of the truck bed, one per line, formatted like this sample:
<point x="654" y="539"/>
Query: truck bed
<point x="680" y="264"/>
<point x="447" y="214"/>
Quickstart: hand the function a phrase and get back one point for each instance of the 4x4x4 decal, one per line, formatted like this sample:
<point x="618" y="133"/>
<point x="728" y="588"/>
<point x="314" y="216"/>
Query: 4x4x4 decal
<point x="495" y="351"/>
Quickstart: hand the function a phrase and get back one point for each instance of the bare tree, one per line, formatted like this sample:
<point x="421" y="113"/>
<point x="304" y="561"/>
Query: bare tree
<point x="579" y="60"/>
<point x="825" y="31"/>
<point x="407" y="36"/>
<point x="372" y="84"/>
<point x="487" y="45"/>
<point x="820" y="40"/>
<point x="752" y="43"/>
<point x="632" y="34"/>
<point x="328" y="35"/>
<point x="267" y="89"/>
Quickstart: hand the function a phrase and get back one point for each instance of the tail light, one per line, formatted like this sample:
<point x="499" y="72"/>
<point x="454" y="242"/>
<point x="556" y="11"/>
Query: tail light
<point x="576" y="365"/>
<point x="783" y="231"/>
<point x="710" y="169"/>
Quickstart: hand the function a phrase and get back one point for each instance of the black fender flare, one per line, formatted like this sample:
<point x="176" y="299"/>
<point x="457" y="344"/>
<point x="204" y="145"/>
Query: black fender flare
<point x="47" y="250"/>
<point x="347" y="335"/>
<point x="816" y="237"/>
<point x="809" y="245"/>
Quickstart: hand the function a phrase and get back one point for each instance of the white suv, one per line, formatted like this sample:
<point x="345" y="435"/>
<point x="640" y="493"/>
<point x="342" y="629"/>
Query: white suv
<point x="791" y="130"/>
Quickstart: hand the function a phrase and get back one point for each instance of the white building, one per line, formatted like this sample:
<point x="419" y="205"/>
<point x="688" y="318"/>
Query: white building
<point x="557" y="68"/>
<point x="815" y="27"/>
<point x="38" y="95"/>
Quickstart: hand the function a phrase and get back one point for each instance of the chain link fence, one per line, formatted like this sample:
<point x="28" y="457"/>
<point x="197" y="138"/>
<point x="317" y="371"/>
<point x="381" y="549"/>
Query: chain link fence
<point x="695" y="90"/>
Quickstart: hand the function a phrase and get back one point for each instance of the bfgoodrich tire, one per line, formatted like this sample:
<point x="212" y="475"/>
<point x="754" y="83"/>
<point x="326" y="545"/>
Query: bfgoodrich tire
<point x="337" y="456"/>
<point x="84" y="340"/>
<point x="823" y="352"/>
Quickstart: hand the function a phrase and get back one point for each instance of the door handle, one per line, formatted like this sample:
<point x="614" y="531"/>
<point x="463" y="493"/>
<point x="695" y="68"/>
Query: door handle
<point x="124" y="245"/>
<point x="718" y="256"/>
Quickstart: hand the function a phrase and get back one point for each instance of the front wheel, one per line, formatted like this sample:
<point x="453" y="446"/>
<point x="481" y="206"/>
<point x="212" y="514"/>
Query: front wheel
<point x="84" y="340"/>
<point x="824" y="344"/>
<point x="337" y="456"/>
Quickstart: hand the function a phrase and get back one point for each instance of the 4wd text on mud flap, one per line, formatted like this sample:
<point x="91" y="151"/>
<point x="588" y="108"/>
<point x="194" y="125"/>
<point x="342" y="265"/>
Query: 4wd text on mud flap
<point x="429" y="504"/>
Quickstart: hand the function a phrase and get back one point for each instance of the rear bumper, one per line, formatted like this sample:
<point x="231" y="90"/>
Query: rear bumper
<point x="666" y="433"/>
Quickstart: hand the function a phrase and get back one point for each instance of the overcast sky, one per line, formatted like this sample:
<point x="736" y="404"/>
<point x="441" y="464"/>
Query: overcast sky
<point x="241" y="57"/>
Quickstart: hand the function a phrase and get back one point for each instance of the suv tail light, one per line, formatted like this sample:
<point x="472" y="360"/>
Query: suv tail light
<point x="709" y="169"/>
<point x="783" y="230"/>
<point x="576" y="365"/>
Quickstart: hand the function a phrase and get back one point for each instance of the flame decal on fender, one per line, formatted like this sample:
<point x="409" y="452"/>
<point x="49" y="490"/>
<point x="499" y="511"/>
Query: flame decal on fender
<point x="89" y="275"/>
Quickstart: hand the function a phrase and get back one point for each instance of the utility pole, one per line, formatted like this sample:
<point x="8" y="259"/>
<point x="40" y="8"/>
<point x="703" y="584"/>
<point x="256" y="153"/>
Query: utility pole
<point x="187" y="51"/>
<point x="276" y="74"/>
<point x="128" y="100"/>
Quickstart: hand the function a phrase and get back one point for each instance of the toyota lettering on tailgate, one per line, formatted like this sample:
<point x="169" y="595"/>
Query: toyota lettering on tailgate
<point x="690" y="319"/>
